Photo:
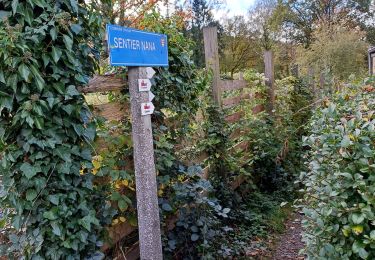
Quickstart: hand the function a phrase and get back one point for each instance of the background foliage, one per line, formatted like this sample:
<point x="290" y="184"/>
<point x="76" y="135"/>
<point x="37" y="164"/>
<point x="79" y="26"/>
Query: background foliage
<point x="339" y="183"/>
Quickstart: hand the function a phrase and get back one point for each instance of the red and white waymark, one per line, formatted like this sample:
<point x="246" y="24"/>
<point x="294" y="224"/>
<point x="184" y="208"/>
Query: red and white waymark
<point x="147" y="108"/>
<point x="144" y="85"/>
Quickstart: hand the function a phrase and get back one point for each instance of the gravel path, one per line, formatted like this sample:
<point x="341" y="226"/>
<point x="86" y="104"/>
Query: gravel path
<point x="290" y="242"/>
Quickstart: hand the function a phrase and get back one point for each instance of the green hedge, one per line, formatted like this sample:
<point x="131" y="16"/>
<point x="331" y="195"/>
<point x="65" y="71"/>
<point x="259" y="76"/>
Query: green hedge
<point x="340" y="181"/>
<point x="47" y="52"/>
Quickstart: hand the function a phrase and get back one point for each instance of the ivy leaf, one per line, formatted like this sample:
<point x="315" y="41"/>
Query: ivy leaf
<point x="14" y="6"/>
<point x="46" y="59"/>
<point x="194" y="237"/>
<point x="28" y="170"/>
<point x="24" y="72"/>
<point x="56" y="54"/>
<point x="56" y="229"/>
<point x="74" y="5"/>
<point x="31" y="194"/>
<point x="122" y="205"/>
<point x="76" y="28"/>
<point x="54" y="199"/>
<point x="68" y="42"/>
<point x="166" y="207"/>
<point x="40" y="3"/>
<point x="72" y="91"/>
<point x="51" y="214"/>
<point x="2" y="78"/>
<point x="53" y="33"/>
<point x="38" y="78"/>
<point x="87" y="221"/>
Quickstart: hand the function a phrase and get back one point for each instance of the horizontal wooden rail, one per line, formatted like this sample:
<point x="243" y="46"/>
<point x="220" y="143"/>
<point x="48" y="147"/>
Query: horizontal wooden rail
<point x="241" y="146"/>
<point x="118" y="232"/>
<point x="112" y="111"/>
<point x="103" y="83"/>
<point x="234" y="117"/>
<point x="231" y="102"/>
<point x="258" y="108"/>
<point x="227" y="85"/>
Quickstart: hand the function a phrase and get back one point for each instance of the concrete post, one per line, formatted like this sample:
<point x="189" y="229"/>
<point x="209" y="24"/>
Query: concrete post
<point x="145" y="173"/>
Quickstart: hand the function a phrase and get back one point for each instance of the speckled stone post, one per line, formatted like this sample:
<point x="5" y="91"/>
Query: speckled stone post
<point x="145" y="173"/>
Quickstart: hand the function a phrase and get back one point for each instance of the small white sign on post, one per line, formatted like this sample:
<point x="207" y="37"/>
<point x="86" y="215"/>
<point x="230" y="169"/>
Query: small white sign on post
<point x="151" y="96"/>
<point x="144" y="85"/>
<point x="150" y="72"/>
<point x="147" y="108"/>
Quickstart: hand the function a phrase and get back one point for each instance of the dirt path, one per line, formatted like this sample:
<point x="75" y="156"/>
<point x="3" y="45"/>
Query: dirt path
<point x="290" y="242"/>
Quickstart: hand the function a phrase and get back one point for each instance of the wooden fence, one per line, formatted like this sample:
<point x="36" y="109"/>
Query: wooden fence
<point x="117" y="111"/>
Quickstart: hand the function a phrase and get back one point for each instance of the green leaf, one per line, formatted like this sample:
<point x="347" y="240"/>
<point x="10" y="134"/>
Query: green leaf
<point x="56" y="54"/>
<point x="39" y="122"/>
<point x="24" y="72"/>
<point x="345" y="141"/>
<point x="54" y="199"/>
<point x="13" y="81"/>
<point x="76" y="28"/>
<point x="46" y="59"/>
<point x="28" y="170"/>
<point x="51" y="214"/>
<point x="68" y="42"/>
<point x="122" y="205"/>
<point x="56" y="228"/>
<point x="363" y="253"/>
<point x="72" y="91"/>
<point x="74" y="5"/>
<point x="14" y="6"/>
<point x="194" y="237"/>
<point x="38" y="78"/>
<point x="28" y="15"/>
<point x="166" y="207"/>
<point x="53" y="33"/>
<point x="87" y="221"/>
<point x="40" y="3"/>
<point x="357" y="218"/>
<point x="31" y="194"/>
<point x="2" y="78"/>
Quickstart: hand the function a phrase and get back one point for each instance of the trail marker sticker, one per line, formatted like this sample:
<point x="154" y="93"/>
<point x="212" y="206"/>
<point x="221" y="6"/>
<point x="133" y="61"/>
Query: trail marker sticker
<point x="144" y="85"/>
<point x="147" y="108"/>
<point x="130" y="47"/>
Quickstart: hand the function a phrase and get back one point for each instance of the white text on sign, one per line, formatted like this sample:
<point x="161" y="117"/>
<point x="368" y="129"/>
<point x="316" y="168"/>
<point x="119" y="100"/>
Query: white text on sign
<point x="147" y="108"/>
<point x="122" y="43"/>
<point x="144" y="85"/>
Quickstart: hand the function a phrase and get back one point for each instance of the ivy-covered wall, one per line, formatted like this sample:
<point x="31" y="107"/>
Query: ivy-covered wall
<point x="47" y="50"/>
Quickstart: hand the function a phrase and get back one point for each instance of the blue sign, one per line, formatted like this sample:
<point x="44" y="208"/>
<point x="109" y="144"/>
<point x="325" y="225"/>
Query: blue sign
<point x="129" y="47"/>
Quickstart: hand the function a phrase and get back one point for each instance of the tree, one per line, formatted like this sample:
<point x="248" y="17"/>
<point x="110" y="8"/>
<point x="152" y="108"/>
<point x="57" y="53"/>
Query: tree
<point x="337" y="50"/>
<point x="201" y="16"/>
<point x="301" y="17"/>
<point x="238" y="45"/>
<point x="124" y="12"/>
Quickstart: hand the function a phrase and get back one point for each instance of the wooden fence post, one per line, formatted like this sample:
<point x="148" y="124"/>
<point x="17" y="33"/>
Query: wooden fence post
<point x="270" y="78"/>
<point x="211" y="54"/>
<point x="145" y="173"/>
<point x="311" y="74"/>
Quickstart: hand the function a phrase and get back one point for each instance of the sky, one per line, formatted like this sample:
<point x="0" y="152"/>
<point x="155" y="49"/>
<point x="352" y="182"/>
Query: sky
<point x="228" y="9"/>
<point x="238" y="7"/>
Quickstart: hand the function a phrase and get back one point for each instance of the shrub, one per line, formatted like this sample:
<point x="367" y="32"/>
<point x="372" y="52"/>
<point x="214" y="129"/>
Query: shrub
<point x="340" y="181"/>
